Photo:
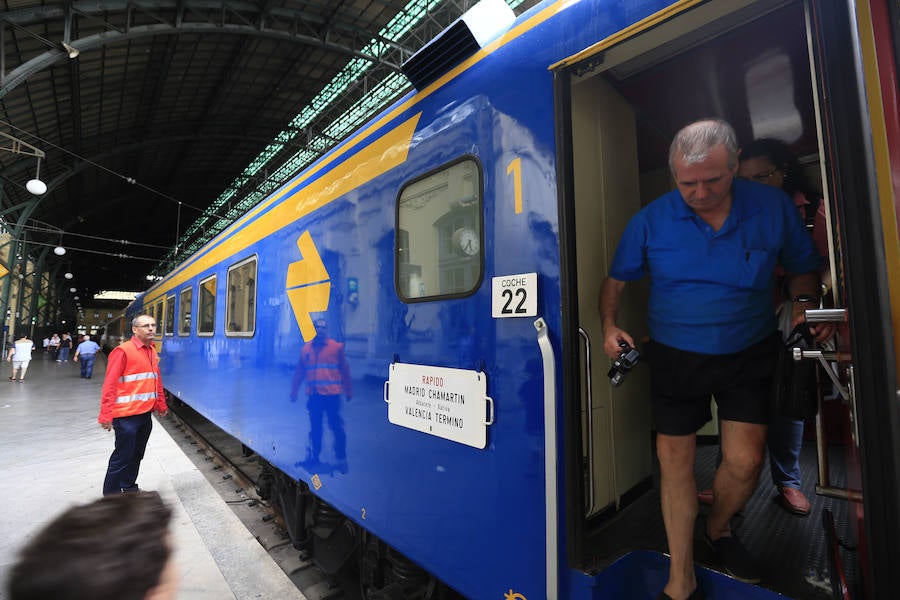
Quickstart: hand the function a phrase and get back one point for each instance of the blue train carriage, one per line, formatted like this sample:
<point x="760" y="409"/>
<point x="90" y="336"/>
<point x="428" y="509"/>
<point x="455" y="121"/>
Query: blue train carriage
<point x="455" y="246"/>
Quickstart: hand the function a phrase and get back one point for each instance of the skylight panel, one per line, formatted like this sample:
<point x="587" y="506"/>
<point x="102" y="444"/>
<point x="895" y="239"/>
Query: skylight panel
<point x="411" y="16"/>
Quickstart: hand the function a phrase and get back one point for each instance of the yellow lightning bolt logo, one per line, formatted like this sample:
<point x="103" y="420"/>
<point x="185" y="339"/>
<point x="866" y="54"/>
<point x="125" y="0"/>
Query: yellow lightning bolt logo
<point x="308" y="286"/>
<point x="3" y="271"/>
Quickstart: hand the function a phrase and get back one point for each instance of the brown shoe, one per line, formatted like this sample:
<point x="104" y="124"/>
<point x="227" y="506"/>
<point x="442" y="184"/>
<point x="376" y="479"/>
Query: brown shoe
<point x="793" y="501"/>
<point x="706" y="497"/>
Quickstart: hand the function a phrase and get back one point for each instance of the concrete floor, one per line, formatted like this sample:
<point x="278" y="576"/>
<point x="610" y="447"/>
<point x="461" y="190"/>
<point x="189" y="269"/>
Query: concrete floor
<point x="53" y="454"/>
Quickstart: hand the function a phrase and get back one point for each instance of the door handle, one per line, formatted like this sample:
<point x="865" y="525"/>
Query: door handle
<point x="823" y="357"/>
<point x="826" y="315"/>
<point x="590" y="419"/>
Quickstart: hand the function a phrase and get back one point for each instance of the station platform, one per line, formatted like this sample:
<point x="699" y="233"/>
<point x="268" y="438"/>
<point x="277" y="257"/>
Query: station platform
<point x="53" y="455"/>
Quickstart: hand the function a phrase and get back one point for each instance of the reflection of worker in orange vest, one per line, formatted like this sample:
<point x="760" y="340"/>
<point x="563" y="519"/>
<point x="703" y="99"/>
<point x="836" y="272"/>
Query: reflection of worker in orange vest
<point x="132" y="389"/>
<point x="325" y="369"/>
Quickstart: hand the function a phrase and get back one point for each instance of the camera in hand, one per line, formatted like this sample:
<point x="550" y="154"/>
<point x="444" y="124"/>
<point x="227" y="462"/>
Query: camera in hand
<point x="626" y="360"/>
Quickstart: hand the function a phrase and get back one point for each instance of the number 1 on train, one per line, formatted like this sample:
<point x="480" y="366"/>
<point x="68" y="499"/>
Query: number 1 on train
<point x="515" y="168"/>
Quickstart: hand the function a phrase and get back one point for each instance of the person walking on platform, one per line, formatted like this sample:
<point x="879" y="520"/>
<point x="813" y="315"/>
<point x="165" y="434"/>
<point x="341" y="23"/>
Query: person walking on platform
<point x="132" y="389"/>
<point x="65" y="345"/>
<point x="87" y="352"/>
<point x="53" y="346"/>
<point x="20" y="355"/>
<point x="113" y="547"/>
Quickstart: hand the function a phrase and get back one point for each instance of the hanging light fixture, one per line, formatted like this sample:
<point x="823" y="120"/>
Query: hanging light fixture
<point x="73" y="290"/>
<point x="68" y="276"/>
<point x="17" y="146"/>
<point x="36" y="186"/>
<point x="59" y="250"/>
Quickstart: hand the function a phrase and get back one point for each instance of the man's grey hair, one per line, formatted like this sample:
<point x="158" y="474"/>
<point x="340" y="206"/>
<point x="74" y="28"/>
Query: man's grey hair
<point x="693" y="143"/>
<point x="134" y="321"/>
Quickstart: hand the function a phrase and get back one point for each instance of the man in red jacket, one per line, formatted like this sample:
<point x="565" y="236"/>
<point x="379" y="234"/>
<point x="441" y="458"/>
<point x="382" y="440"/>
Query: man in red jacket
<point x="132" y="389"/>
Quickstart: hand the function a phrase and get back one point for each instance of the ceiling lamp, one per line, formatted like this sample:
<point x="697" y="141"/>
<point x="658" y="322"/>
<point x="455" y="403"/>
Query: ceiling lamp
<point x="73" y="290"/>
<point x="36" y="186"/>
<point x="59" y="250"/>
<point x="68" y="276"/>
<point x="71" y="51"/>
<point x="17" y="146"/>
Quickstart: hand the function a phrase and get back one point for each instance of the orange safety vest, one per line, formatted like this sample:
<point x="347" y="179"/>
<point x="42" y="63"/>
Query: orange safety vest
<point x="136" y="388"/>
<point x="323" y="368"/>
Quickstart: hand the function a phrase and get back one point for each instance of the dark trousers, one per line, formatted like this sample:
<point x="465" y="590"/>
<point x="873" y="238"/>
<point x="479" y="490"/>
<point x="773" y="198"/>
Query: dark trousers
<point x="87" y="365"/>
<point x="132" y="434"/>
<point x="330" y="405"/>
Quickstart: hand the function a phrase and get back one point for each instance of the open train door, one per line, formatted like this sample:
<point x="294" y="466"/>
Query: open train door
<point x="853" y="45"/>
<point x="611" y="455"/>
<point x="848" y="49"/>
<point x="615" y="420"/>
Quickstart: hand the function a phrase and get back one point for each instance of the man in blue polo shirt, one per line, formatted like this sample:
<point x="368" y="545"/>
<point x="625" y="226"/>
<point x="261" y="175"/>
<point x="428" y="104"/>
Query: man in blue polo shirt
<point x="710" y="247"/>
<point x="87" y="352"/>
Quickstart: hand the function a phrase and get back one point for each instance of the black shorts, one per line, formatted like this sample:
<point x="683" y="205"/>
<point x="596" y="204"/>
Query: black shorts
<point x="682" y="384"/>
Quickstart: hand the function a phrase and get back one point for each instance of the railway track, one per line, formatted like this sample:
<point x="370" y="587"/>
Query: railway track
<point x="233" y="472"/>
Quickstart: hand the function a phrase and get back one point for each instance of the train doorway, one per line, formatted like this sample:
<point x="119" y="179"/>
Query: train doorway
<point x="621" y="102"/>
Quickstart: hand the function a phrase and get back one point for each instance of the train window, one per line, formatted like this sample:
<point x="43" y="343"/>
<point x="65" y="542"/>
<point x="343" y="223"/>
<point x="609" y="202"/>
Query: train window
<point x="206" y="307"/>
<point x="158" y="314"/>
<point x="170" y="315"/>
<point x="240" y="302"/>
<point x="438" y="248"/>
<point x="184" y="311"/>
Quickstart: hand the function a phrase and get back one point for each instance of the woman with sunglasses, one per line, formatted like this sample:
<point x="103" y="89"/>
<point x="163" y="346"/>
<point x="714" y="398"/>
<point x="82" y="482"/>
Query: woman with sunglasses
<point x="769" y="161"/>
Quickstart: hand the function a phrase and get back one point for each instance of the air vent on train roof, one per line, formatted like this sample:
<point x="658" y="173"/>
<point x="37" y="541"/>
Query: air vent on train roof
<point x="463" y="38"/>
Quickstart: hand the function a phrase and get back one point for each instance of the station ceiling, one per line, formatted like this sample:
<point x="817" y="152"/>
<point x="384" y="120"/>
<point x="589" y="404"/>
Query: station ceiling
<point x="163" y="120"/>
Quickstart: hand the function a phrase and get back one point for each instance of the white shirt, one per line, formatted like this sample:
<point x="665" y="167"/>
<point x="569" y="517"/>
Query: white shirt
<point x="23" y="350"/>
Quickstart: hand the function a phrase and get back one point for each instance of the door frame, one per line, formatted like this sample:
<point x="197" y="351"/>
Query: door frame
<point x="852" y="146"/>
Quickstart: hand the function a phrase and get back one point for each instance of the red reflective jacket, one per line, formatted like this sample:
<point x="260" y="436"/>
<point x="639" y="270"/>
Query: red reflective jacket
<point x="132" y="385"/>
